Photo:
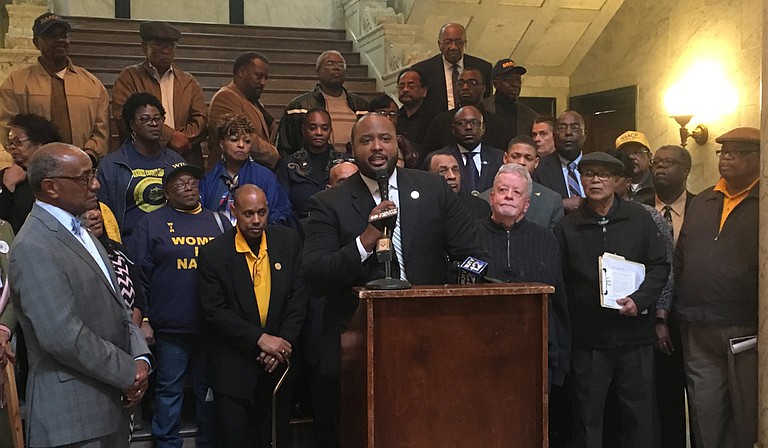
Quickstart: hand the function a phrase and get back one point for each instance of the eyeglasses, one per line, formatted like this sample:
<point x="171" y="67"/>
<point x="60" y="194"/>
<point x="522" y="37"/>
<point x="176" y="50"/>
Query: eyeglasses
<point x="573" y="127"/>
<point x="472" y="82"/>
<point x="448" y="42"/>
<point x="84" y="179"/>
<point x="735" y="153"/>
<point x="637" y="152"/>
<point x="339" y="161"/>
<point x="602" y="175"/>
<point x="16" y="141"/>
<point x="387" y="113"/>
<point x="464" y="123"/>
<point x="163" y="44"/>
<point x="146" y="119"/>
<point x="658" y="161"/>
<point x="409" y="85"/>
<point x="180" y="186"/>
<point x="334" y="64"/>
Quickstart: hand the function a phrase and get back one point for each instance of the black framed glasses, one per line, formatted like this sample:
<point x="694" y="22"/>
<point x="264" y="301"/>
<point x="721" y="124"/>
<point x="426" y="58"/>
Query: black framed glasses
<point x="84" y="179"/>
<point x="591" y="174"/>
<point x="387" y="113"/>
<point x="339" y="161"/>
<point x="573" y="127"/>
<point x="735" y="153"/>
<point x="182" y="185"/>
<point x="146" y="119"/>
<point x="464" y="123"/>
<point x="659" y="161"/>
<point x="471" y="82"/>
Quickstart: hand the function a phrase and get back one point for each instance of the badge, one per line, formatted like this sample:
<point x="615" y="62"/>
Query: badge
<point x="4" y="247"/>
<point x="415" y="194"/>
<point x="278" y="266"/>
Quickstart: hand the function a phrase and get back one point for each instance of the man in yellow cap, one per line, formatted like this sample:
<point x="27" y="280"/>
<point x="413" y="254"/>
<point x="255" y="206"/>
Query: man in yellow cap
<point x="636" y="146"/>
<point x="716" y="271"/>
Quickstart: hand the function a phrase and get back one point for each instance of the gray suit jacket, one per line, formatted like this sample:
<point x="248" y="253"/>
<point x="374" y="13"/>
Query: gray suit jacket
<point x="80" y="339"/>
<point x="546" y="207"/>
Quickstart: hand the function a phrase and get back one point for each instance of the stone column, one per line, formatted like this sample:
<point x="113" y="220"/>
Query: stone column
<point x="21" y="15"/>
<point x="762" y="346"/>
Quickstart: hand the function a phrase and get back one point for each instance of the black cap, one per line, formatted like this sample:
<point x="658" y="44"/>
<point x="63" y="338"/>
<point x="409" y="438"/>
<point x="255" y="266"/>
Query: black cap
<point x="601" y="158"/>
<point x="158" y="31"/>
<point x="506" y="65"/>
<point x="181" y="168"/>
<point x="47" y="20"/>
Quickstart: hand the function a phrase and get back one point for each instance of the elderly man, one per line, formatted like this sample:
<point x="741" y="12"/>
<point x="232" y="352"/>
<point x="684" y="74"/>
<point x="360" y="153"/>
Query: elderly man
<point x="443" y="70"/>
<point x="470" y="86"/>
<point x="329" y="94"/>
<point x="164" y="246"/>
<point x="340" y="241"/>
<point x="559" y="170"/>
<point x="716" y="272"/>
<point x="444" y="163"/>
<point x="186" y="114"/>
<point x="242" y="97"/>
<point x="636" y="146"/>
<point x="543" y="133"/>
<point x="254" y="299"/>
<point x="53" y="87"/>
<point x="414" y="115"/>
<point x="339" y="172"/>
<point x="507" y="79"/>
<point x="85" y="353"/>
<point x="611" y="346"/>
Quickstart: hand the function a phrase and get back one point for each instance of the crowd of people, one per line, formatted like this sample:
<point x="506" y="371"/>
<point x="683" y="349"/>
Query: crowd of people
<point x="219" y="242"/>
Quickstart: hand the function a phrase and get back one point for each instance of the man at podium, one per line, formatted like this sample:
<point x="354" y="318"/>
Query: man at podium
<point x="342" y="235"/>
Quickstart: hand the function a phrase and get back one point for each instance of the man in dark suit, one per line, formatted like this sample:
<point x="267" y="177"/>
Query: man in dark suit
<point x="431" y="226"/>
<point x="479" y="162"/>
<point x="85" y="353"/>
<point x="507" y="79"/>
<point x="670" y="167"/>
<point x="446" y="164"/>
<point x="443" y="70"/>
<point x="559" y="170"/>
<point x="254" y="299"/>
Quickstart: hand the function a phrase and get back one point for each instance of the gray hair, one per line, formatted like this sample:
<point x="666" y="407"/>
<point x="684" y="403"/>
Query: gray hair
<point x="44" y="164"/>
<point x="517" y="170"/>
<point x="326" y="53"/>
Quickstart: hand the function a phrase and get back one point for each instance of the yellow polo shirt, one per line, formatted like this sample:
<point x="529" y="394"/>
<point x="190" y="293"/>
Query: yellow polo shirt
<point x="258" y="266"/>
<point x="731" y="201"/>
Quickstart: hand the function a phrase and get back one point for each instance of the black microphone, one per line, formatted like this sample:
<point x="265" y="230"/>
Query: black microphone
<point x="382" y="178"/>
<point x="472" y="271"/>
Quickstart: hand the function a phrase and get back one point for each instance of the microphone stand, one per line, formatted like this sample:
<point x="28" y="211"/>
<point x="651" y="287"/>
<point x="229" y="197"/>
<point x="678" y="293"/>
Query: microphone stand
<point x="384" y="252"/>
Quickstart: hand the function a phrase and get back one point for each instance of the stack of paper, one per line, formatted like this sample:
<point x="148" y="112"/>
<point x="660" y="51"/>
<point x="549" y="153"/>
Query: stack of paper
<point x="618" y="278"/>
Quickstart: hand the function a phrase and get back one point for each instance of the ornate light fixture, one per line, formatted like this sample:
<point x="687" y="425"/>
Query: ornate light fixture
<point x="699" y="134"/>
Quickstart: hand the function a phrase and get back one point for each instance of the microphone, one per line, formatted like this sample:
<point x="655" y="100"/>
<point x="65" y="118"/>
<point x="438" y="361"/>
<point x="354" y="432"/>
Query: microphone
<point x="472" y="271"/>
<point x="382" y="178"/>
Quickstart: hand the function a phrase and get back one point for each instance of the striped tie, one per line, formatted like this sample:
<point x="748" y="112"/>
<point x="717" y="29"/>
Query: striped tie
<point x="668" y="217"/>
<point x="573" y="182"/>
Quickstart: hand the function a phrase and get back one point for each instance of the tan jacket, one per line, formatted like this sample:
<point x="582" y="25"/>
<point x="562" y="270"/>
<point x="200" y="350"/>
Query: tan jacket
<point x="28" y="91"/>
<point x="230" y="100"/>
<point x="189" y="111"/>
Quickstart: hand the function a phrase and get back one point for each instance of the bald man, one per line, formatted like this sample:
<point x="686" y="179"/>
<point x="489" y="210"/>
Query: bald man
<point x="254" y="300"/>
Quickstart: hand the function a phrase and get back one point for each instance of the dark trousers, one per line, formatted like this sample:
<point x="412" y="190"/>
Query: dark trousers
<point x="244" y="423"/>
<point x="630" y="370"/>
<point x="326" y="402"/>
<point x="670" y="393"/>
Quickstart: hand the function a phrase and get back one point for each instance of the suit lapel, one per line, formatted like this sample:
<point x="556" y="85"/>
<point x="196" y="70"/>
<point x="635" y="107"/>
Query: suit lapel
<point x="276" y="259"/>
<point x="362" y="201"/>
<point x="484" y="172"/>
<point x="410" y="204"/>
<point x="243" y="285"/>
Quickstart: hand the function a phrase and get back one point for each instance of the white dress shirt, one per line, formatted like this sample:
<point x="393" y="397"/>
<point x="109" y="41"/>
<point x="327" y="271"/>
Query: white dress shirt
<point x="448" y="71"/>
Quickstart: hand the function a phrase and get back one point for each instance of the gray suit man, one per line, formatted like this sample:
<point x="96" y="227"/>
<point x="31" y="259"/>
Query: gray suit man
<point x="87" y="359"/>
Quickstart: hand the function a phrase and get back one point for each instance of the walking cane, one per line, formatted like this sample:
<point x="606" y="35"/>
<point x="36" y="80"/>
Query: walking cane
<point x="274" y="402"/>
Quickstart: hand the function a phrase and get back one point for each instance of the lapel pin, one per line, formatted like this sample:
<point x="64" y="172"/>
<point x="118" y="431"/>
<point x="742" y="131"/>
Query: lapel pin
<point x="538" y="193"/>
<point x="415" y="194"/>
<point x="278" y="266"/>
<point x="4" y="247"/>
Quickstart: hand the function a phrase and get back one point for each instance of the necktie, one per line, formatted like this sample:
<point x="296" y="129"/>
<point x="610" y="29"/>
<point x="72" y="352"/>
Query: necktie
<point x="668" y="218"/>
<point x="454" y="80"/>
<point x="469" y="176"/>
<point x="573" y="182"/>
<point x="77" y="229"/>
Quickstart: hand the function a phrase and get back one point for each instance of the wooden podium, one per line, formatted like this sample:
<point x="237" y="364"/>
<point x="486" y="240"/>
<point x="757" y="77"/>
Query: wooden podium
<point x="447" y="366"/>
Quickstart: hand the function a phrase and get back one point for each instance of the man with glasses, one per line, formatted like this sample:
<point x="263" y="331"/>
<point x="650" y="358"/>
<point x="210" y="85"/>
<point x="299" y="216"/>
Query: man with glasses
<point x="85" y="352"/>
<point x="242" y="97"/>
<point x="344" y="106"/>
<point x="636" y="146"/>
<point x="443" y="70"/>
<point x="414" y="116"/>
<point x="508" y="80"/>
<point x="559" y="170"/>
<point x="164" y="245"/>
<point x="72" y="98"/>
<point x="610" y="346"/>
<point x="716" y="274"/>
<point x="186" y="114"/>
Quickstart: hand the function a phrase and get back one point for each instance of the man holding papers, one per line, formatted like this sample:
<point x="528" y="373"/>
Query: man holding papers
<point x="611" y="344"/>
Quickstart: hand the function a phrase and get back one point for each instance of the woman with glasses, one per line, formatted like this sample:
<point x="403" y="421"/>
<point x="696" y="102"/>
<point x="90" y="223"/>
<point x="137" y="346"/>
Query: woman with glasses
<point x="235" y="134"/>
<point x="305" y="172"/>
<point x="26" y="133"/>
<point x="131" y="177"/>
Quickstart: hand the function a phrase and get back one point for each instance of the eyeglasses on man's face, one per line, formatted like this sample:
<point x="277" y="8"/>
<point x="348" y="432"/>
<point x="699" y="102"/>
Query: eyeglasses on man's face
<point x="471" y="82"/>
<point x="181" y="185"/>
<point x="665" y="161"/>
<point x="734" y="153"/>
<point x="464" y="123"/>
<point x="573" y="127"/>
<point x="591" y="174"/>
<point x="84" y="179"/>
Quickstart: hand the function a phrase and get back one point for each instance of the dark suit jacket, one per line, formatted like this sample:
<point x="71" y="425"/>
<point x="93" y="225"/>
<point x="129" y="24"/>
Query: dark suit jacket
<point x="492" y="159"/>
<point x="231" y="312"/>
<point x="525" y="116"/>
<point x="550" y="174"/>
<point x="440" y="133"/>
<point x="433" y="224"/>
<point x="476" y="207"/>
<point x="433" y="68"/>
<point x="79" y="334"/>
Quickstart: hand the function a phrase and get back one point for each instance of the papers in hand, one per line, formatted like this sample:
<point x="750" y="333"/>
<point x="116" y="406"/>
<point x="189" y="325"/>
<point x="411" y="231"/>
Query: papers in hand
<point x="618" y="278"/>
<point x="743" y="344"/>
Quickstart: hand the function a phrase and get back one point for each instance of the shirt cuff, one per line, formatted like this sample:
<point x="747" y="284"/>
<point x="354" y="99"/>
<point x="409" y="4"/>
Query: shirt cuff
<point x="364" y="254"/>
<point x="6" y="330"/>
<point x="145" y="359"/>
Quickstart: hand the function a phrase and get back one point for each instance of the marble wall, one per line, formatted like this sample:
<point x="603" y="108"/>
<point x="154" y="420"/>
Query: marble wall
<point x="652" y="44"/>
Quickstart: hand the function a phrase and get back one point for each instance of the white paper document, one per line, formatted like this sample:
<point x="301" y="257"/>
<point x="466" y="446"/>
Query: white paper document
<point x="618" y="278"/>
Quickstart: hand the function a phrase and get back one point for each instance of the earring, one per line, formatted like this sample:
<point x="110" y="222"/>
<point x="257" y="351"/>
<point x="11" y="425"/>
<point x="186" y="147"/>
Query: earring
<point x="133" y="136"/>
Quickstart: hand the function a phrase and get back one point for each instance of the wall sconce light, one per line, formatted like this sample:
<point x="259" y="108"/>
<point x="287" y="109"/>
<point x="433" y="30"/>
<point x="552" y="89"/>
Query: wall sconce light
<point x="699" y="134"/>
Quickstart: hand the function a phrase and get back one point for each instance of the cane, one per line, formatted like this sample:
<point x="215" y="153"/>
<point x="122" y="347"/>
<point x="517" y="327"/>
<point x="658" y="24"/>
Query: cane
<point x="274" y="401"/>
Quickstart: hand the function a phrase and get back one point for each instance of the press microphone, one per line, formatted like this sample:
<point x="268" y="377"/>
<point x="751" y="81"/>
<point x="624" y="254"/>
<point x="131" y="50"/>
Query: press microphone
<point x="382" y="178"/>
<point x="472" y="271"/>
